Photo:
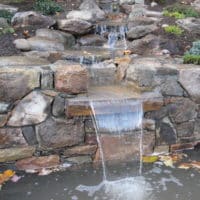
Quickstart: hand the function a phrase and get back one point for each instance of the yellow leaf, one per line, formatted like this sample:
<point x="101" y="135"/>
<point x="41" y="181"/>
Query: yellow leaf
<point x="8" y="173"/>
<point x="149" y="159"/>
<point x="167" y="160"/>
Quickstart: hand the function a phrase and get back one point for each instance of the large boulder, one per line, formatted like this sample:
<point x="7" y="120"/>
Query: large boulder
<point x="70" y="78"/>
<point x="92" y="40"/>
<point x="190" y="24"/>
<point x="16" y="82"/>
<point x="75" y="26"/>
<point x="56" y="133"/>
<point x="189" y="79"/>
<point x="66" y="38"/>
<point x="31" y="18"/>
<point x="91" y="6"/>
<point x="45" y="44"/>
<point x="32" y="109"/>
<point x="140" y="31"/>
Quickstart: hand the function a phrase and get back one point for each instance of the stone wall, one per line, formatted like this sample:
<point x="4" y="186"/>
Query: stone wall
<point x="44" y="109"/>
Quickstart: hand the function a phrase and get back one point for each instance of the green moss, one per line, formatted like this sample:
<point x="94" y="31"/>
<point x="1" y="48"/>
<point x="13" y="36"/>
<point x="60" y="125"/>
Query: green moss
<point x="173" y="29"/>
<point x="6" y="14"/>
<point x="6" y="30"/>
<point x="191" y="59"/>
<point x="47" y="7"/>
<point x="185" y="10"/>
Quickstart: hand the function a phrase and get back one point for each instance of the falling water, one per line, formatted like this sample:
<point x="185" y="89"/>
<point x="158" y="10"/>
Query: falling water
<point x="117" y="117"/>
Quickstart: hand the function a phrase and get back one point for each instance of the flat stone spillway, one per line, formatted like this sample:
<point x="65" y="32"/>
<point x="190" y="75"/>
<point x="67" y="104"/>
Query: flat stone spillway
<point x="80" y="106"/>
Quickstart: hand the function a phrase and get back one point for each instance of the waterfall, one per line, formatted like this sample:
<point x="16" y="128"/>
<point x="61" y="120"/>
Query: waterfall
<point x="117" y="118"/>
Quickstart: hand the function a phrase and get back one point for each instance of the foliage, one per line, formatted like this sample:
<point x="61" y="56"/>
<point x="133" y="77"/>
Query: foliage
<point x="173" y="29"/>
<point x="185" y="10"/>
<point x="176" y="14"/>
<point x="6" y="14"/>
<point x="47" y="7"/>
<point x="193" y="59"/>
<point x="6" y="30"/>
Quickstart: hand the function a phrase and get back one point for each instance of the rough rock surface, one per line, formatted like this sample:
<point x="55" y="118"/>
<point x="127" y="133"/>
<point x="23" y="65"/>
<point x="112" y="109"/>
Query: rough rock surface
<point x="71" y="78"/>
<point x="30" y="18"/>
<point x="55" y="133"/>
<point x="32" y="109"/>
<point x="16" y="82"/>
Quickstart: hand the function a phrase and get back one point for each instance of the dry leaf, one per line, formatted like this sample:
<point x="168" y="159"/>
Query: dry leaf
<point x="184" y="166"/>
<point x="167" y="160"/>
<point x="149" y="159"/>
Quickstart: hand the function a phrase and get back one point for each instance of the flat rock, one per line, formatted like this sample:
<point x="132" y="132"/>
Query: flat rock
<point x="31" y="18"/>
<point x="37" y="163"/>
<point x="58" y="108"/>
<point x="16" y="82"/>
<point x="22" y="44"/>
<point x="80" y="150"/>
<point x="191" y="85"/>
<point x="8" y="8"/>
<point x="66" y="38"/>
<point x="13" y="154"/>
<point x="32" y="109"/>
<point x="75" y="26"/>
<point x="80" y="160"/>
<point x="72" y="79"/>
<point x="190" y="24"/>
<point x="11" y="137"/>
<point x="45" y="44"/>
<point x="56" y="133"/>
<point x="140" y="31"/>
<point x="92" y="40"/>
<point x="22" y="61"/>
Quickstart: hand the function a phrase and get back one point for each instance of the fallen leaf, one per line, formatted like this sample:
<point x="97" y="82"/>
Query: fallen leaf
<point x="184" y="166"/>
<point x="45" y="172"/>
<point x="6" y="175"/>
<point x="9" y="173"/>
<point x="167" y="160"/>
<point x="195" y="164"/>
<point x="149" y="159"/>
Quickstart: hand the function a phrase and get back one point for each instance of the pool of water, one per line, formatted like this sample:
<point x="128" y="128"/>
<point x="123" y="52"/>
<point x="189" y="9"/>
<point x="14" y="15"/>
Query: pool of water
<point x="156" y="183"/>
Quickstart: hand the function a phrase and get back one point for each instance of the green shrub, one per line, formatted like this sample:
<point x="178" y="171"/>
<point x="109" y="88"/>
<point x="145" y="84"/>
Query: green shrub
<point x="6" y="30"/>
<point x="191" y="59"/>
<point x="47" y="7"/>
<point x="173" y="29"/>
<point x="6" y="14"/>
<point x="176" y="14"/>
<point x="186" y="10"/>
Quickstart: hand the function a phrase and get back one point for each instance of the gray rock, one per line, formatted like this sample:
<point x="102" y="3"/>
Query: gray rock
<point x="58" y="108"/>
<point x="140" y="31"/>
<point x="185" y="129"/>
<point x="4" y="107"/>
<point x="197" y="128"/>
<point x="22" y="61"/>
<point x="165" y="133"/>
<point x="47" y="79"/>
<point x="11" y="137"/>
<point x="182" y="110"/>
<point x="190" y="24"/>
<point x="22" y="44"/>
<point x="31" y="18"/>
<point x="45" y="44"/>
<point x="127" y="2"/>
<point x="75" y="26"/>
<point x="66" y="38"/>
<point x="32" y="109"/>
<point x="171" y="87"/>
<point x="196" y="4"/>
<point x="80" y="160"/>
<point x="56" y="133"/>
<point x="3" y="120"/>
<point x="8" y="8"/>
<point x="13" y="154"/>
<point x="29" y="134"/>
<point x="92" y="7"/>
<point x="3" y="23"/>
<point x="17" y="82"/>
<point x="137" y="11"/>
<point x="189" y="79"/>
<point x="92" y="40"/>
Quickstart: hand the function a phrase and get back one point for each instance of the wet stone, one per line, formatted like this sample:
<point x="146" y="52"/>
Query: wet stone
<point x="13" y="154"/>
<point x="36" y="163"/>
<point x="47" y="79"/>
<point x="29" y="135"/>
